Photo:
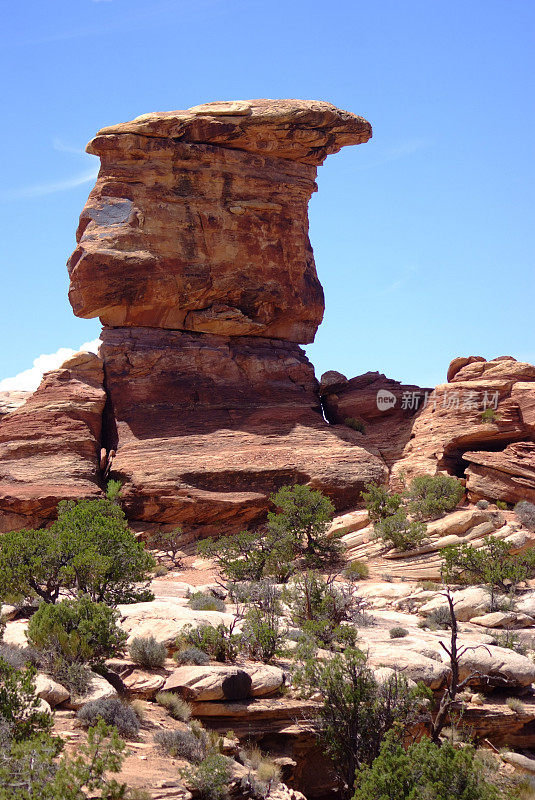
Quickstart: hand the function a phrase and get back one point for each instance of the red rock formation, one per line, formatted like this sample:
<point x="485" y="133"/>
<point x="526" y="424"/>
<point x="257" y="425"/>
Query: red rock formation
<point x="50" y="446"/>
<point x="452" y="432"/>
<point x="198" y="220"/>
<point x="206" y="427"/>
<point x="385" y="406"/>
<point x="11" y="400"/>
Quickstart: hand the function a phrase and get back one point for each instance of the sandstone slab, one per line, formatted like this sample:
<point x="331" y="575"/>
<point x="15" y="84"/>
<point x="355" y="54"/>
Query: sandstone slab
<point x="215" y="682"/>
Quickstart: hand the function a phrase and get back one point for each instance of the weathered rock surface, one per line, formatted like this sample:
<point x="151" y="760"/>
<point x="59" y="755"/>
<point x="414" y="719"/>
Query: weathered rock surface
<point x="11" y="400"/>
<point x="165" y="619"/>
<point x="49" y="690"/>
<point x="50" y="446"/>
<point x="451" y="431"/>
<point x="198" y="220"/>
<point x="204" y="428"/>
<point x="385" y="406"/>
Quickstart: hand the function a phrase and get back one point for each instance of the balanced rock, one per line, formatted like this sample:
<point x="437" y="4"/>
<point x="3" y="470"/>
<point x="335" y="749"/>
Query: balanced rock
<point x="50" y="446"/>
<point x="199" y="222"/>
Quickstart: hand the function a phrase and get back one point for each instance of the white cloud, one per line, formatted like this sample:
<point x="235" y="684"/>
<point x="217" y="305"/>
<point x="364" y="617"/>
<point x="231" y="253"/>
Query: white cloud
<point x="41" y="189"/>
<point x="29" y="379"/>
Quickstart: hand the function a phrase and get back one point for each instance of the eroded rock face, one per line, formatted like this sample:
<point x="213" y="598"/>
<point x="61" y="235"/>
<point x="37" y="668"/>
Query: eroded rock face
<point x="50" y="446"/>
<point x="205" y="428"/>
<point x="198" y="220"/>
<point x="385" y="406"/>
<point x="452" y="432"/>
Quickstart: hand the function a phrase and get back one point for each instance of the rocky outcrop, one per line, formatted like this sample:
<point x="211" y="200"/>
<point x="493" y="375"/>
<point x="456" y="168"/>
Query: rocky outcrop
<point x="205" y="427"/>
<point x="50" y="446"/>
<point x="198" y="220"/>
<point x="11" y="400"/>
<point x="385" y="407"/>
<point x="482" y="419"/>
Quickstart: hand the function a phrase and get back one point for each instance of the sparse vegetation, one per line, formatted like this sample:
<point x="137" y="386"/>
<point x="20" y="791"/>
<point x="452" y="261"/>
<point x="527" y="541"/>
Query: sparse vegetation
<point x="261" y="636"/>
<point x="191" y="655"/>
<point x="356" y="571"/>
<point x="380" y="502"/>
<point x="355" y="424"/>
<point x="170" y="543"/>
<point x="209" y="779"/>
<point x="147" y="652"/>
<point x="398" y="633"/>
<point x="400" y="532"/>
<point x="482" y="504"/>
<point x="501" y="505"/>
<point x="175" y="706"/>
<point x="181" y="744"/>
<point x="525" y="513"/>
<point x="431" y="496"/>
<point x="204" y="601"/>
<point x="515" y="704"/>
<point x="221" y="643"/>
<point x="113" y="712"/>
<point x="489" y="415"/>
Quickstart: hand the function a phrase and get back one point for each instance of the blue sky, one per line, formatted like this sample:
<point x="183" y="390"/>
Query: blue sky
<point x="423" y="237"/>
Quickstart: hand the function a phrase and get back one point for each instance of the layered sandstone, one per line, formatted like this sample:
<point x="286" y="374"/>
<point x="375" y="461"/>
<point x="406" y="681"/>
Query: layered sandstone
<point x="480" y="420"/>
<point x="198" y="220"/>
<point x="50" y="446"/>
<point x="204" y="428"/>
<point x="385" y="406"/>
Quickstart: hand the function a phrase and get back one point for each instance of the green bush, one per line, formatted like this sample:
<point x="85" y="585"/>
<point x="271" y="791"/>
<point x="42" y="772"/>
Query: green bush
<point x="261" y="634"/>
<point x="380" y="502"/>
<point x="181" y="744"/>
<point x="147" y="652"/>
<point x="251" y="556"/>
<point x="398" y="633"/>
<point x="113" y="490"/>
<point x="88" y="550"/>
<point x="209" y="779"/>
<point x="525" y="513"/>
<point x="501" y="505"/>
<point x="400" y="532"/>
<point x="170" y="543"/>
<point x="175" y="706"/>
<point x="356" y="711"/>
<point x="355" y="424"/>
<point x="319" y="606"/>
<point x="356" y="571"/>
<point x="191" y="655"/>
<point x="75" y="676"/>
<point x="489" y="415"/>
<point x="424" y="771"/>
<point x="432" y="496"/>
<point x="220" y="642"/>
<point x="203" y="601"/>
<point x="20" y="712"/>
<point x="494" y="564"/>
<point x="113" y="712"/>
<point x="77" y="630"/>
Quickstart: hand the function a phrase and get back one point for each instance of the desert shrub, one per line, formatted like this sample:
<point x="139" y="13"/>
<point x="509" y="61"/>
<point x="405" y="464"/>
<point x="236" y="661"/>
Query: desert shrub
<point x="191" y="655"/>
<point x="203" y="601"/>
<point x="77" y="631"/>
<point x="424" y="771"/>
<point x="160" y="570"/>
<point x="16" y="657"/>
<point x="515" y="705"/>
<point x="209" y="779"/>
<point x="20" y="713"/>
<point x="304" y="516"/>
<point x="400" y="532"/>
<point x="508" y="639"/>
<point x="147" y="652"/>
<point x="261" y="634"/>
<point x="489" y="415"/>
<point x="356" y="571"/>
<point x="75" y="676"/>
<point x="114" y="712"/>
<point x="170" y="543"/>
<point x="220" y="642"/>
<point x="356" y="711"/>
<point x="494" y="564"/>
<point x="482" y="504"/>
<point x="175" y="706"/>
<point x="439" y="619"/>
<point x="88" y="550"/>
<point x="398" y="633"/>
<point x="181" y="744"/>
<point x="525" y="513"/>
<point x="432" y="496"/>
<point x="251" y="556"/>
<point x="355" y="424"/>
<point x="430" y="586"/>
<point x="318" y="606"/>
<point x="501" y="505"/>
<point x="113" y="490"/>
<point x="380" y="502"/>
<point x="263" y="775"/>
<point x="264" y="594"/>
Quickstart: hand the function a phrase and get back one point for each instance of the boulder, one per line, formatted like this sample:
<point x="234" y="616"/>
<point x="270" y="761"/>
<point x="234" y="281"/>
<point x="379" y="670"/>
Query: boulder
<point x="99" y="689"/>
<point x="504" y="619"/>
<point x="468" y="603"/>
<point x="496" y="666"/>
<point x="215" y="682"/>
<point x="51" y="691"/>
